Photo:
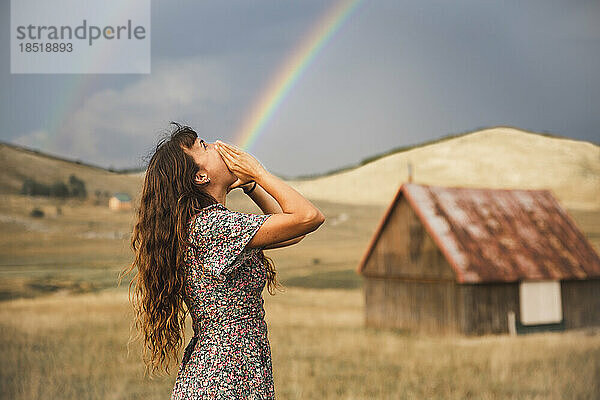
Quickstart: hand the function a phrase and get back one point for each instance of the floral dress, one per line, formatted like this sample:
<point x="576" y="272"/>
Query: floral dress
<point x="229" y="356"/>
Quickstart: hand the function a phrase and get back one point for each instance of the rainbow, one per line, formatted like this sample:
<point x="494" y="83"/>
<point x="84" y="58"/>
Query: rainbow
<point x="292" y="69"/>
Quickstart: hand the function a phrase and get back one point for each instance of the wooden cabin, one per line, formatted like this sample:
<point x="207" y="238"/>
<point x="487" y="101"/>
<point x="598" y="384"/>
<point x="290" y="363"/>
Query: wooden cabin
<point x="478" y="261"/>
<point x="120" y="201"/>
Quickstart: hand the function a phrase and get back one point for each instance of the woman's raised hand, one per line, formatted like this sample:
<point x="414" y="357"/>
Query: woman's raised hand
<point x="242" y="164"/>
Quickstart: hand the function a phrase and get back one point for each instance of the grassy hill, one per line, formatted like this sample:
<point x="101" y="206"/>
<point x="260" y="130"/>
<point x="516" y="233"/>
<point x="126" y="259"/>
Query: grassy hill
<point x="18" y="163"/>
<point x="498" y="157"/>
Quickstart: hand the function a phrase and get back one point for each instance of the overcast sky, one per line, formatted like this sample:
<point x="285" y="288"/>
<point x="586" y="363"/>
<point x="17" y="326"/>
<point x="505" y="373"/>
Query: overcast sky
<point x="396" y="73"/>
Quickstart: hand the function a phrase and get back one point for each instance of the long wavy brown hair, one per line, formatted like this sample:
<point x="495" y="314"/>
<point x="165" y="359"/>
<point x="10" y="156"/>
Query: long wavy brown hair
<point x="169" y="199"/>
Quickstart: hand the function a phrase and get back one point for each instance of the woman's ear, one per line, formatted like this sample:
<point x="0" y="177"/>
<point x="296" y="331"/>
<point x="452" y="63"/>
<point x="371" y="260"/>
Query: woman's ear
<point x="201" y="179"/>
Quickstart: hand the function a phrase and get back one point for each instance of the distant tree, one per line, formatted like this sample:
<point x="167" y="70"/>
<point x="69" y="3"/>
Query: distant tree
<point x="59" y="189"/>
<point x="77" y="187"/>
<point x="33" y="188"/>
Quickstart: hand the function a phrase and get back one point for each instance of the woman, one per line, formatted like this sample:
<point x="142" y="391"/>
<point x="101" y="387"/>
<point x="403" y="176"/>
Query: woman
<point x="191" y="249"/>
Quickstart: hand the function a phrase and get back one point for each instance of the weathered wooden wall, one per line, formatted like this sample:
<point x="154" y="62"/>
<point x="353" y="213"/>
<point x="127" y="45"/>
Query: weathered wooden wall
<point x="484" y="308"/>
<point x="581" y="303"/>
<point x="440" y="307"/>
<point x="409" y="284"/>
<point x="413" y="305"/>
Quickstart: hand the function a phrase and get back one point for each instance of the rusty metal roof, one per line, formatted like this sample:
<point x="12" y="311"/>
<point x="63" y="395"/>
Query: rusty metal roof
<point x="499" y="235"/>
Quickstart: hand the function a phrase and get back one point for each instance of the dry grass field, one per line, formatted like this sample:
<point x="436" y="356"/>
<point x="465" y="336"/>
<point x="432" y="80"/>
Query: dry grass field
<point x="74" y="347"/>
<point x="64" y="322"/>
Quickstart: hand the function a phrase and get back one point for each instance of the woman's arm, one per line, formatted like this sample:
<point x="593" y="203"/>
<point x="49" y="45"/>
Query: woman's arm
<point x="284" y="243"/>
<point x="290" y="224"/>
<point x="264" y="200"/>
<point x="269" y="205"/>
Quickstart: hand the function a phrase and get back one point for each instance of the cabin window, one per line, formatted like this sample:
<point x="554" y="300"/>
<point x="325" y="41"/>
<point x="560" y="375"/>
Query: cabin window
<point x="540" y="302"/>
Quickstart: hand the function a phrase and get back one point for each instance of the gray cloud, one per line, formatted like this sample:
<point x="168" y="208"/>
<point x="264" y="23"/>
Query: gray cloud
<point x="396" y="73"/>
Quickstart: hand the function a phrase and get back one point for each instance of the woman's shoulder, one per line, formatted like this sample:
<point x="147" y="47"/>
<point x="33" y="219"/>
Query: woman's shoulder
<point x="218" y="220"/>
<point x="207" y="211"/>
<point x="222" y="235"/>
<point x="206" y="223"/>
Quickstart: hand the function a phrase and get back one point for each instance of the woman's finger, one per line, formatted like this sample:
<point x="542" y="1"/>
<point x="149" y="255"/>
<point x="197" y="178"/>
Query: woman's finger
<point x="222" y="147"/>
<point x="229" y="159"/>
<point x="226" y="153"/>
<point x="232" y="157"/>
<point x="230" y="147"/>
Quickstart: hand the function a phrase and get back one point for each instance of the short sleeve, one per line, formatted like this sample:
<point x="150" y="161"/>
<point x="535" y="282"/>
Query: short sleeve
<point x="222" y="235"/>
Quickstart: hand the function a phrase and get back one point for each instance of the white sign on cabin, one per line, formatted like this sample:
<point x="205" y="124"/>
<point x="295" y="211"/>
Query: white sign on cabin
<point x="540" y="302"/>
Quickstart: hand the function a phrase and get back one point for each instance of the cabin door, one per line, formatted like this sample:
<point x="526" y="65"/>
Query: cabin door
<point x="540" y="302"/>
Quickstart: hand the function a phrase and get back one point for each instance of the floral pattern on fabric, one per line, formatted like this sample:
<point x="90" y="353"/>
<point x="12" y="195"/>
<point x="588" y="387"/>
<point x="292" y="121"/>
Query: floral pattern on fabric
<point x="229" y="356"/>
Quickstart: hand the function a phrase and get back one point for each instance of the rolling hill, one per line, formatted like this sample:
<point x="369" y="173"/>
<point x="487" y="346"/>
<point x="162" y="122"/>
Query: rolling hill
<point x="497" y="157"/>
<point x="18" y="163"/>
